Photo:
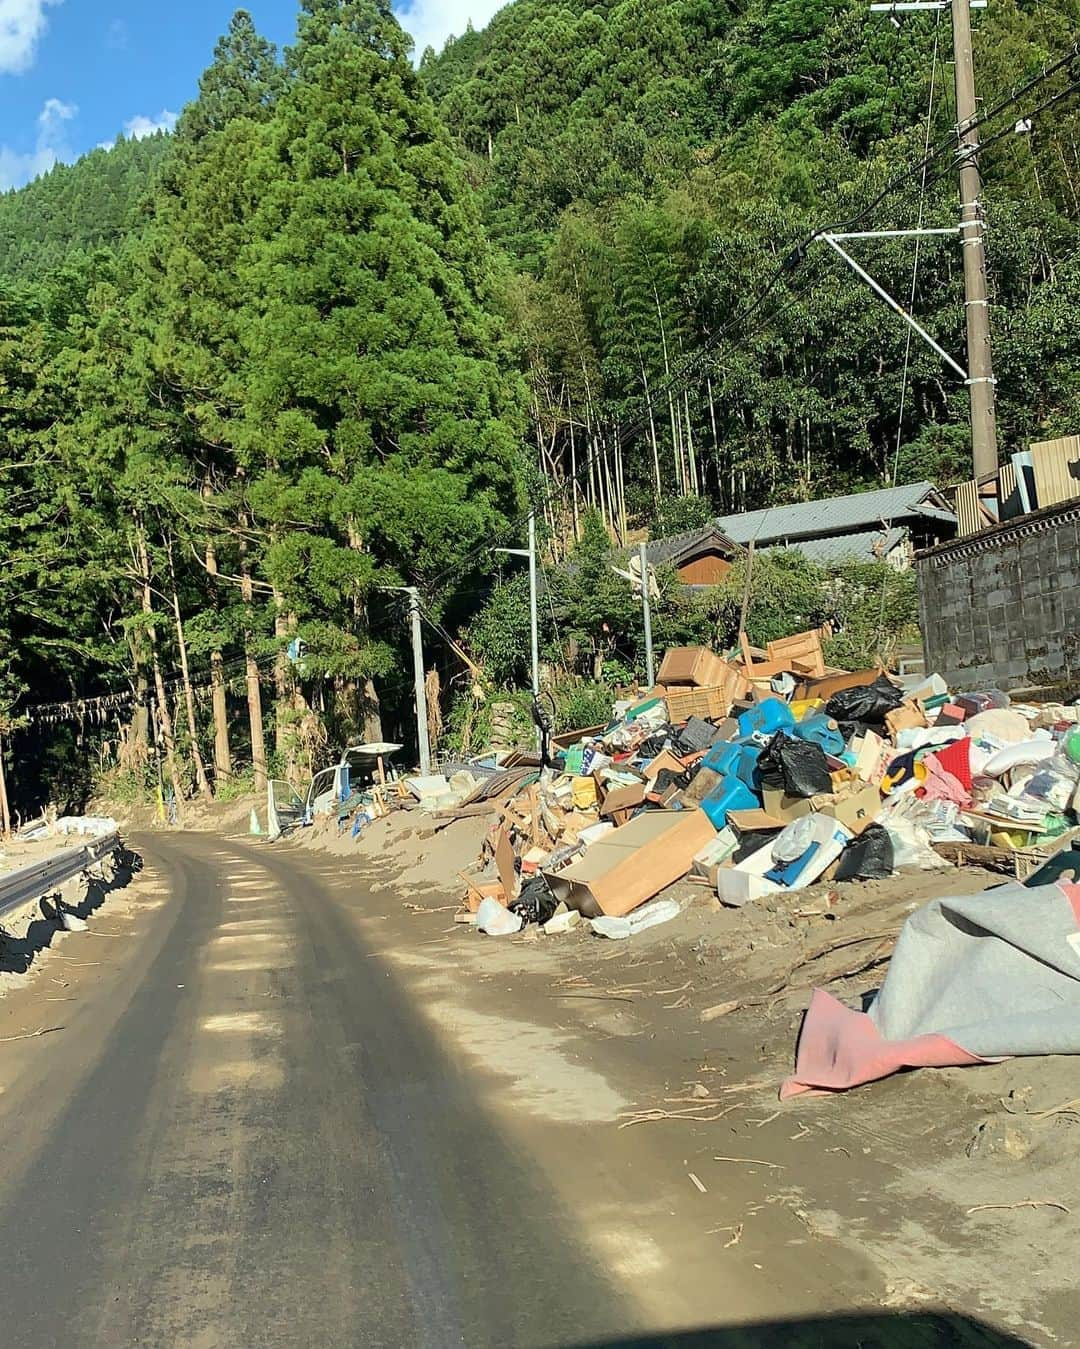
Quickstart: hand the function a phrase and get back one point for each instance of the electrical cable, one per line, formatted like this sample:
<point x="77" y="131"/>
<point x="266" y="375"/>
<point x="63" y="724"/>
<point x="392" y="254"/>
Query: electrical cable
<point x="791" y="260"/>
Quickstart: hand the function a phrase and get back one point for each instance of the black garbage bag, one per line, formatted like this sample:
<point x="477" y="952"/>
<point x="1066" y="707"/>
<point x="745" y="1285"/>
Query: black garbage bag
<point x="656" y="744"/>
<point x="535" y="904"/>
<point x="868" y="857"/>
<point x="666" y="777"/>
<point x="751" y="842"/>
<point x="866" y="705"/>
<point x="797" y="767"/>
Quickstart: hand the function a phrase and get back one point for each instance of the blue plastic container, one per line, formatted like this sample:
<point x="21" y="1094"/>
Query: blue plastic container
<point x="820" y="730"/>
<point x="732" y="794"/>
<point x="731" y="759"/>
<point x="766" y="718"/>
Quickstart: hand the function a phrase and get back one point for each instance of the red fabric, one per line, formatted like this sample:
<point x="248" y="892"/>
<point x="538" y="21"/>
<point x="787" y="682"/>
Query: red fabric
<point x="1071" y="891"/>
<point x="840" y="1048"/>
<point x="955" y="758"/>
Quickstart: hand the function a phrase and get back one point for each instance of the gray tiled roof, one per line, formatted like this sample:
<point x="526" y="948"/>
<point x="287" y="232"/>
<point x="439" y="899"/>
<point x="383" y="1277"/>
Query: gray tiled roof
<point x="870" y="545"/>
<point x="776" y="525"/>
<point x="678" y="545"/>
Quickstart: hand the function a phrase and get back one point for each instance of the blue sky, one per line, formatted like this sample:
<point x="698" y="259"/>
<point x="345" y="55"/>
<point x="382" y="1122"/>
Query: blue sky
<point x="76" y="73"/>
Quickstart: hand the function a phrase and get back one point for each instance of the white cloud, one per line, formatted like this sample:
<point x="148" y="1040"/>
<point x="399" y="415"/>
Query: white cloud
<point x="431" y="22"/>
<point x="22" y="23"/>
<point x="50" y="146"/>
<point x="139" y="127"/>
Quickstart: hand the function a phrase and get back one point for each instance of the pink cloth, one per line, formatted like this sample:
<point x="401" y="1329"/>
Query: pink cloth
<point x="941" y="785"/>
<point x="839" y="1048"/>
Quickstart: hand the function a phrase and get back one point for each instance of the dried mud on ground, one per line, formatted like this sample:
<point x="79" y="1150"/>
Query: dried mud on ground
<point x="960" y="1186"/>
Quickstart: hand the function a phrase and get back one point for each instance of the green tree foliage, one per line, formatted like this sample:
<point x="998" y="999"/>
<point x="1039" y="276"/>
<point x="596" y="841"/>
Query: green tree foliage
<point x="285" y="382"/>
<point x="97" y="202"/>
<point x="649" y="165"/>
<point x="256" y="372"/>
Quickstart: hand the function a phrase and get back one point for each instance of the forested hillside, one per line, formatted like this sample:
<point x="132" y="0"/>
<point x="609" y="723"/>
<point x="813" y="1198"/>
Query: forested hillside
<point x="96" y="202"/>
<point x="335" y="335"/>
<point x="646" y="163"/>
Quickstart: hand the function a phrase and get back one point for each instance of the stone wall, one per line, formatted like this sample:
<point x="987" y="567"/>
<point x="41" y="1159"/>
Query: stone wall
<point x="1002" y="608"/>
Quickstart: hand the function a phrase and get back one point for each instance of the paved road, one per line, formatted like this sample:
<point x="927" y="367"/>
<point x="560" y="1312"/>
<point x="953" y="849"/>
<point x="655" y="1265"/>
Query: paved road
<point x="272" y="1150"/>
<point x="248" y="1136"/>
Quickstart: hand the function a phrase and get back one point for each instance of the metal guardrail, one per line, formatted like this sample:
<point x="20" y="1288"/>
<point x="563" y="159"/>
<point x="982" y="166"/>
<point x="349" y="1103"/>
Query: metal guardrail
<point x="39" y="878"/>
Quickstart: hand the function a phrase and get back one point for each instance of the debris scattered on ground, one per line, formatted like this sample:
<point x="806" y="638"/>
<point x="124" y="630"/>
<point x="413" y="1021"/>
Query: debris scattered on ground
<point x="757" y="774"/>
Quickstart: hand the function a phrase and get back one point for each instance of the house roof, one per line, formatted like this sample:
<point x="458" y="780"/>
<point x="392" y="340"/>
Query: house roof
<point x="869" y="545"/>
<point x="861" y="511"/>
<point x="680" y="546"/>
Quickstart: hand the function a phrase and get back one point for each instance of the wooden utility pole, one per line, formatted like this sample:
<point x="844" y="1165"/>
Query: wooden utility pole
<point x="973" y="240"/>
<point x="979" y="375"/>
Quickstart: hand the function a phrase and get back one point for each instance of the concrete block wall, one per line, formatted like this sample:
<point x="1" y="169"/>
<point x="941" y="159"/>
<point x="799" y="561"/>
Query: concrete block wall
<point x="1002" y="608"/>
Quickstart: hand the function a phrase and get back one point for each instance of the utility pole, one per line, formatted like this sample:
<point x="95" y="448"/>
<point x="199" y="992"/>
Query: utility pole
<point x="418" y="677"/>
<point x="534" y="607"/>
<point x="534" y="614"/>
<point x="973" y="241"/>
<point x="979" y="376"/>
<point x="650" y="664"/>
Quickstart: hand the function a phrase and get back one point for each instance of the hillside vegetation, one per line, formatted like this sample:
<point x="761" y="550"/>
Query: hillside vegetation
<point x="338" y="332"/>
<point x="97" y="202"/>
<point x="646" y="163"/>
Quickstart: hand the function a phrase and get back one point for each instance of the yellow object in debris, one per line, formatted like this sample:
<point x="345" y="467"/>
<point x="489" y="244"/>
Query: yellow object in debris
<point x="160" y="805"/>
<point x="801" y="706"/>
<point x="1011" y="838"/>
<point x="584" y="793"/>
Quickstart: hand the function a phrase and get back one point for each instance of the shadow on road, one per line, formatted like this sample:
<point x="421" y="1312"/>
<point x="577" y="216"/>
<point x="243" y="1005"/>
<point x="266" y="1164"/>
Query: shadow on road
<point x="875" y="1330"/>
<point x="17" y="953"/>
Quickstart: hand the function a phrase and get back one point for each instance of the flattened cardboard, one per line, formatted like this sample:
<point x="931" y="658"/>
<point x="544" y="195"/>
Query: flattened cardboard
<point x="504" y="864"/>
<point x="633" y="863"/>
<point x="665" y="759"/>
<point x="753" y="821"/>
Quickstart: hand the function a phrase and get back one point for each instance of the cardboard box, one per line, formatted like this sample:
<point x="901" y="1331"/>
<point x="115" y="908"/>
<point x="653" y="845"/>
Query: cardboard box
<point x="857" y="809"/>
<point x="872" y="753"/>
<point x="907" y="717"/>
<point x="832" y="684"/>
<point x="715" y="855"/>
<point x="695" y="665"/>
<point x="787" y="808"/>
<point x="633" y="863"/>
<point x="478" y="891"/>
<point x="620" y="802"/>
<point x="801" y="651"/>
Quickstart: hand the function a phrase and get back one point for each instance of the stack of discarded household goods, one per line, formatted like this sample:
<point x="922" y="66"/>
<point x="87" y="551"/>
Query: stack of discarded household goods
<point x="767" y="771"/>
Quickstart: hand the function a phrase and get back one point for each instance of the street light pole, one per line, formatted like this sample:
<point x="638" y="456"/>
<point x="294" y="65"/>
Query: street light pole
<point x="534" y="606"/>
<point x="534" y="615"/>
<point x="650" y="666"/>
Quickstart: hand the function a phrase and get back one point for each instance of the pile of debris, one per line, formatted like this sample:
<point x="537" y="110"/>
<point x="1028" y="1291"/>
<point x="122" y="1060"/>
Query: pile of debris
<point x="768" y="771"/>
